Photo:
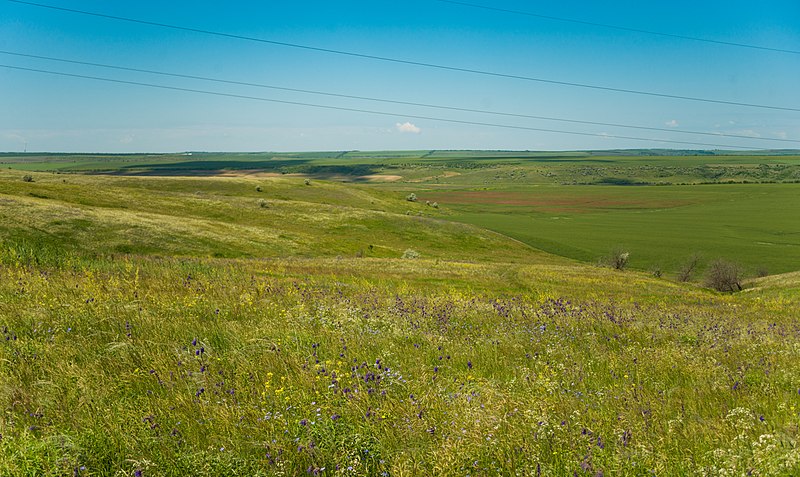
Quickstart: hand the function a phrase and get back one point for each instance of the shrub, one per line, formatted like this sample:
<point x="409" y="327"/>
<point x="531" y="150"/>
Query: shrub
<point x="656" y="271"/>
<point x="435" y="205"/>
<point x="618" y="259"/>
<point x="307" y="182"/>
<point x="762" y="272"/>
<point x="27" y="178"/>
<point x="687" y="269"/>
<point x="409" y="253"/>
<point x="724" y="276"/>
<point x="258" y="188"/>
<point x="263" y="204"/>
<point x="412" y="197"/>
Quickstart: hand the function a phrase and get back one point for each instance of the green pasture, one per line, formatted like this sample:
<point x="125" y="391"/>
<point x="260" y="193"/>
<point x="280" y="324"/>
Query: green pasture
<point x="755" y="225"/>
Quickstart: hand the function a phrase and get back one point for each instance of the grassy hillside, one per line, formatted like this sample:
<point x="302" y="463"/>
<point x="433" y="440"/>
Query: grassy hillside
<point x="229" y="217"/>
<point x="389" y="367"/>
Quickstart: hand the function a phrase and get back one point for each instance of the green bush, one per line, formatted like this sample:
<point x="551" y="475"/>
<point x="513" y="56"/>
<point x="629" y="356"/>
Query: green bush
<point x="411" y="254"/>
<point x="618" y="258"/>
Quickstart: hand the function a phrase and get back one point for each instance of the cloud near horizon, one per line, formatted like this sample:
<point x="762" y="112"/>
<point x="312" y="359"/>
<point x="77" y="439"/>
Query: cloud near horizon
<point x="407" y="127"/>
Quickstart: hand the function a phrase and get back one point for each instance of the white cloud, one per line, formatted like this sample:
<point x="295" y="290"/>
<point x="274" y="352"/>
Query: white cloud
<point x="13" y="136"/>
<point x="673" y="123"/>
<point x="746" y="132"/>
<point x="781" y="134"/>
<point x="407" y="127"/>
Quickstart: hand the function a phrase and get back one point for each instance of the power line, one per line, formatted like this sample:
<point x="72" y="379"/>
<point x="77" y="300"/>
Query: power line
<point x="412" y="62"/>
<point x="618" y="27"/>
<point x="390" y="101"/>
<point x="367" y="111"/>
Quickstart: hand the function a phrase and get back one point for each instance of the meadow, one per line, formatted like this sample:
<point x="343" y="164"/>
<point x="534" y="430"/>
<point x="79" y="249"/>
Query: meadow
<point x="161" y="318"/>
<point x="664" y="209"/>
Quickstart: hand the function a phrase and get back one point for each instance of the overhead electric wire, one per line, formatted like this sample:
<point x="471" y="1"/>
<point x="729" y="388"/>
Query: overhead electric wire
<point x="368" y="111"/>
<point x="410" y="62"/>
<point x="390" y="101"/>
<point x="618" y="27"/>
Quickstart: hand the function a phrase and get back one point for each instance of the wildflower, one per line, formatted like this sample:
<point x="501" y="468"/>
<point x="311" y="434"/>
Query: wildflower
<point x="469" y="364"/>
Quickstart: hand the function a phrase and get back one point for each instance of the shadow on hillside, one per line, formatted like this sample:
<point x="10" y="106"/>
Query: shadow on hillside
<point x="213" y="168"/>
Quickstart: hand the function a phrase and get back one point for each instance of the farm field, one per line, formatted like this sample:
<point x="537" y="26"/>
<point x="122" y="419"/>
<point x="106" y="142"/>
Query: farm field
<point x="661" y="227"/>
<point x="295" y="314"/>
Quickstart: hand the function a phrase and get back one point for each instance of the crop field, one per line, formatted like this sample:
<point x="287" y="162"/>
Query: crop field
<point x="296" y="314"/>
<point x="662" y="227"/>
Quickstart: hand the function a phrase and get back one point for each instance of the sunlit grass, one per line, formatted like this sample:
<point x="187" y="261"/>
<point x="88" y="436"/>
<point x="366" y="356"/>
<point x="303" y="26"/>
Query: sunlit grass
<point x="199" y="367"/>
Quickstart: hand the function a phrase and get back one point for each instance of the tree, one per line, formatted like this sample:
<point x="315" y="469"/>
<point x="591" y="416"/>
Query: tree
<point x="687" y="269"/>
<point x="618" y="259"/>
<point x="724" y="276"/>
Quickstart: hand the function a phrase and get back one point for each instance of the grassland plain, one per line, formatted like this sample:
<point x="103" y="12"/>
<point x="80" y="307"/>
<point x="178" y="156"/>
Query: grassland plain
<point x="144" y="333"/>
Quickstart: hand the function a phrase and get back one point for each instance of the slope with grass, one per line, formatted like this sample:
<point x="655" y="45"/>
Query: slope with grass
<point x="175" y="326"/>
<point x="388" y="367"/>
<point x="228" y="217"/>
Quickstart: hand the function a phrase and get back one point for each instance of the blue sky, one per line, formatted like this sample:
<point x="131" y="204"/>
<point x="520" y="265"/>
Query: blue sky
<point x="55" y="113"/>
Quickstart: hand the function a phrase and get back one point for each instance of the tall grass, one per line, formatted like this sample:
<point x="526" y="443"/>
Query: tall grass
<point x="207" y="367"/>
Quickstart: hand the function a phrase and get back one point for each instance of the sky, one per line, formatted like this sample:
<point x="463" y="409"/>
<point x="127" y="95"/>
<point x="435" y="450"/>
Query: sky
<point x="45" y="112"/>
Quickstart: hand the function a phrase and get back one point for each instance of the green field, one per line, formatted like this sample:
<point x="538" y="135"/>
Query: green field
<point x="753" y="224"/>
<point x="294" y="314"/>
